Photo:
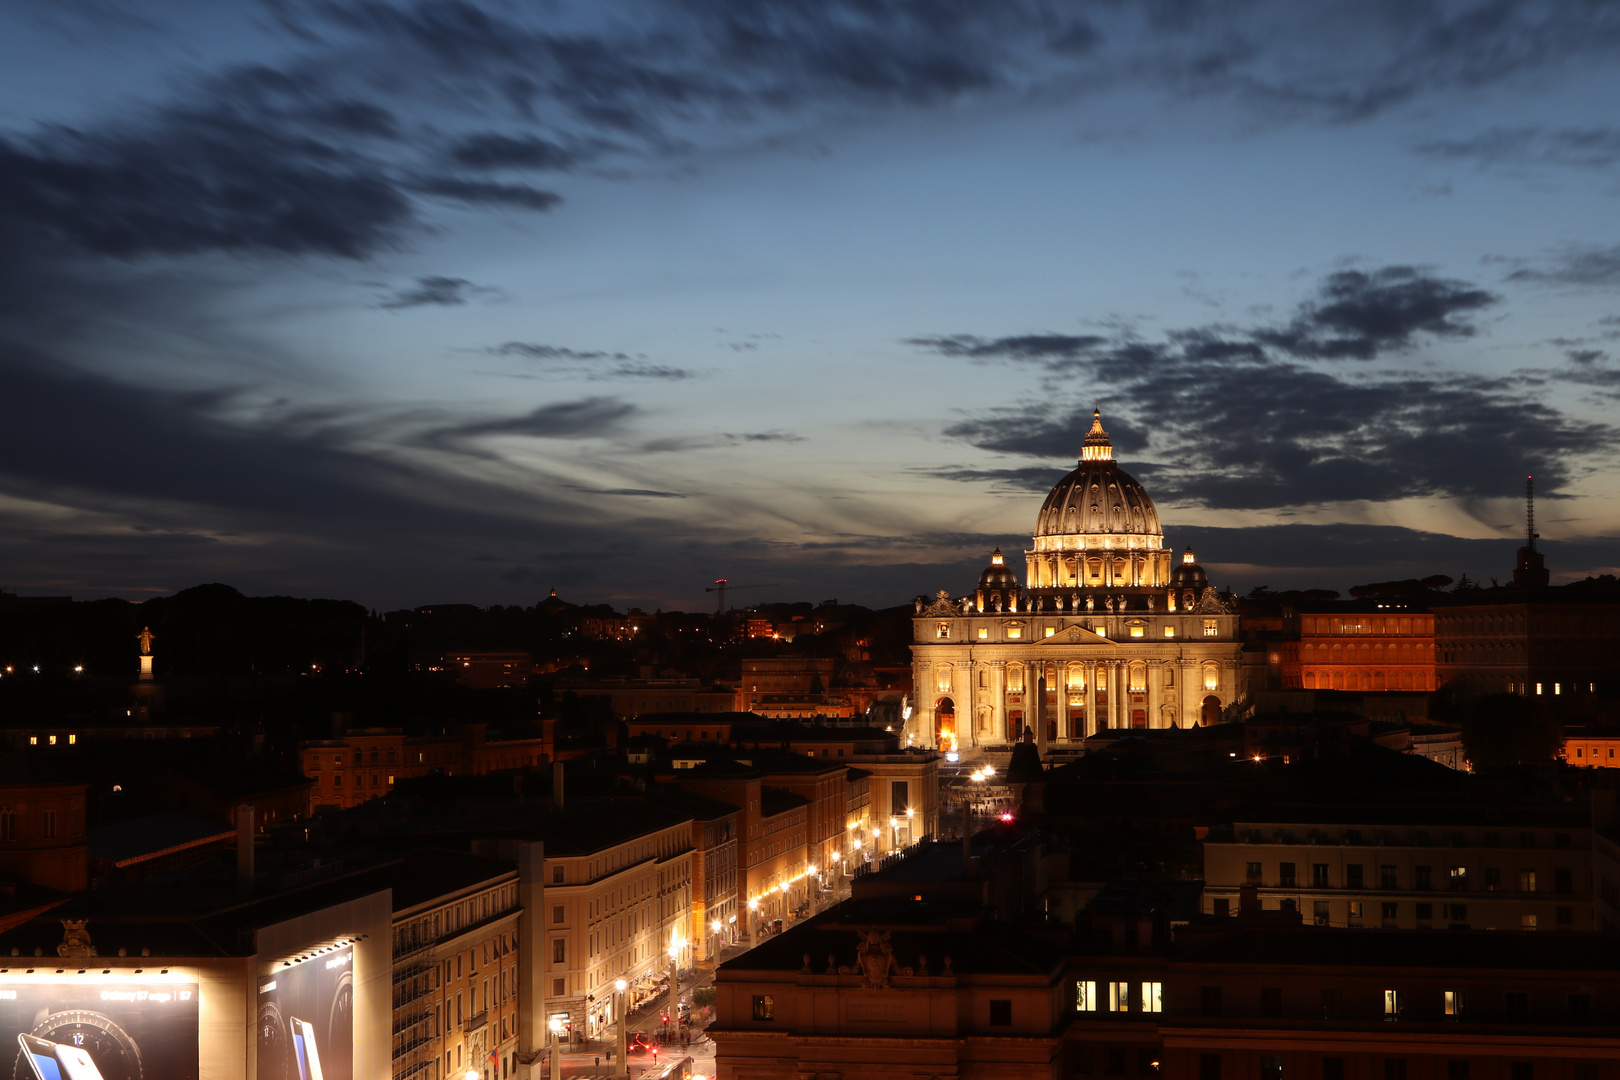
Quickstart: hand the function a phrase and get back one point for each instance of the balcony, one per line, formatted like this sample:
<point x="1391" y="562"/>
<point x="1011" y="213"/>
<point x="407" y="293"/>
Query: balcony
<point x="475" y="1021"/>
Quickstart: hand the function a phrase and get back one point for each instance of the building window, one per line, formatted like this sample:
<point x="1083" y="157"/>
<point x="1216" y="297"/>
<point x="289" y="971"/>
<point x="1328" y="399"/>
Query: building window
<point x="1153" y="997"/>
<point x="1169" y="631"/>
<point x="1212" y="628"/>
<point x="1285" y="875"/>
<point x="1457" y="912"/>
<point x="1527" y="922"/>
<point x="1332" y="1003"/>
<point x="1580" y="1008"/>
<point x="1015" y="632"/>
<point x="1119" y="997"/>
<point x="1565" y="917"/>
<point x="1352" y="875"/>
<point x="1136" y="631"/>
<point x="1271" y="1067"/>
<point x="1320" y="912"/>
<point x="984" y="633"/>
<point x="1333" y="1068"/>
<point x="556" y="875"/>
<point x="1392" y="1004"/>
<point x="1456" y="1004"/>
<point x="559" y="950"/>
<point x="1001" y="1012"/>
<point x="1516" y="1008"/>
<point x="1459" y="879"/>
<point x="1212" y="677"/>
<point x="559" y="988"/>
<point x="1319" y="875"/>
<point x="1271" y="1001"/>
<point x="1209" y="1000"/>
<point x="1252" y="873"/>
<point x="1357" y="907"/>
<point x="1050" y="630"/>
<point x="943" y="631"/>
<point x="1527" y="881"/>
<point x="1386" y="878"/>
<point x="1420" y="879"/>
<point x="48" y="825"/>
<point x="557" y="914"/>
<point x="1209" y="1067"/>
<point x="1085" y="997"/>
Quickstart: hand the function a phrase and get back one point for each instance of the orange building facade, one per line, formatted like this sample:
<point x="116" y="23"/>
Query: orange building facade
<point x="1383" y="648"/>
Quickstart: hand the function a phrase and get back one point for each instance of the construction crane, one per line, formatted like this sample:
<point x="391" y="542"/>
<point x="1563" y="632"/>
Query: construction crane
<point x="721" y="586"/>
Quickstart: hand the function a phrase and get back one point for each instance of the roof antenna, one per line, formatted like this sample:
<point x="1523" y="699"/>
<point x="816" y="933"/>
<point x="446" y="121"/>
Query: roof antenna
<point x="1530" y="510"/>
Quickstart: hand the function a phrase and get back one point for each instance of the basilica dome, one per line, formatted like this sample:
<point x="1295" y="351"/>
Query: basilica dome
<point x="1098" y="505"/>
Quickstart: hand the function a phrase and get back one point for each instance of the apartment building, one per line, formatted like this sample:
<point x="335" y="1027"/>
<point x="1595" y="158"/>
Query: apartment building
<point x="456" y="967"/>
<point x="617" y="904"/>
<point x="1501" y="868"/>
<point x="715" y="827"/>
<point x="366" y="763"/>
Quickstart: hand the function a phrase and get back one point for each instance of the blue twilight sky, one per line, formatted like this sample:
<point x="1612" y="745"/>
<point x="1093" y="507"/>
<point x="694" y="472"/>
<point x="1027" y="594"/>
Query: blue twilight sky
<point x="462" y="300"/>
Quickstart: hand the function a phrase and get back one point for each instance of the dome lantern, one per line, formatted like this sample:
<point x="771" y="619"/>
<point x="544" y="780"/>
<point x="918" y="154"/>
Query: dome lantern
<point x="1097" y="447"/>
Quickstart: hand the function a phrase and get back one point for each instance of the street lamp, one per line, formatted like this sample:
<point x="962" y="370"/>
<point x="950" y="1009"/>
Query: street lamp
<point x="621" y="1066"/>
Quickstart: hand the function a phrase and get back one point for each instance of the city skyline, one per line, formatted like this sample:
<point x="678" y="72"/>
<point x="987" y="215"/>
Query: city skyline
<point x="415" y="303"/>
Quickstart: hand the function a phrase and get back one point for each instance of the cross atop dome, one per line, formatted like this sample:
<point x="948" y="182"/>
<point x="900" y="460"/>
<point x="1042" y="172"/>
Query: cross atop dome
<point x="1097" y="447"/>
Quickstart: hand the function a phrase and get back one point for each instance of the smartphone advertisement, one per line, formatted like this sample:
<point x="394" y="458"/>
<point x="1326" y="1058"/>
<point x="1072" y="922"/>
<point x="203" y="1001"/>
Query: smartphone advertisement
<point x="100" y="1029"/>
<point x="306" y="1019"/>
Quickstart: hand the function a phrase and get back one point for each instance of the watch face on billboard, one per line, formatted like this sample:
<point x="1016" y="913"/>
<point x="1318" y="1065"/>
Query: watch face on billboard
<point x="97" y="1028"/>
<point x="306" y="1019"/>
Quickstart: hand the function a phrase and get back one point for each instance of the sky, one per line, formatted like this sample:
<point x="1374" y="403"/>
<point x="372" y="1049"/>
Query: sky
<point x="465" y="300"/>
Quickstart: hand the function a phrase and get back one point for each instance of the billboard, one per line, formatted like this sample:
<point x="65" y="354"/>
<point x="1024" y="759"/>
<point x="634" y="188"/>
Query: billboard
<point x="93" y="1027"/>
<point x="306" y="1019"/>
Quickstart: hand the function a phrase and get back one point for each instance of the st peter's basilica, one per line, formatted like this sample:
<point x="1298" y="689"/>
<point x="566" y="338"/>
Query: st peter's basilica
<point x="1107" y="631"/>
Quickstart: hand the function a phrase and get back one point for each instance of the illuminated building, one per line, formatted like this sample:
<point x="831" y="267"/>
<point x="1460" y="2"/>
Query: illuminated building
<point x="367" y="763"/>
<point x="1363" y="645"/>
<point x="1107" y="631"/>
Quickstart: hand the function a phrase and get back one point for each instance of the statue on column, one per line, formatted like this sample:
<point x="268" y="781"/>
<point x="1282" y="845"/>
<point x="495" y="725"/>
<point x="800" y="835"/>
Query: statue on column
<point x="1110" y="603"/>
<point x="146" y="637"/>
<point x="1091" y="602"/>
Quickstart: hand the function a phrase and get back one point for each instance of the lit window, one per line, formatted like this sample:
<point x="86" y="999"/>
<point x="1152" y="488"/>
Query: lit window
<point x="1558" y="688"/>
<point x="984" y="633"/>
<point x="1085" y="997"/>
<point x="943" y="631"/>
<point x="1212" y="677"/>
<point x="1211" y="628"/>
<point x="1050" y="630"/>
<point x="1169" y="631"/>
<point x="1527" y="922"/>
<point x="1152" y="997"/>
<point x="1138" y="631"/>
<point x="53" y="740"/>
<point x="1456" y="1004"/>
<point x="1100" y="631"/>
<point x="73" y="740"/>
<point x="33" y="740"/>
<point x="1015" y="632"/>
<point x="1119" y="997"/>
<point x="1392" y="1004"/>
<point x="1538" y="689"/>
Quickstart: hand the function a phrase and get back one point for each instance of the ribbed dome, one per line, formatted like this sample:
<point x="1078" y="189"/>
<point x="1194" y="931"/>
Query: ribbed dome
<point x="1188" y="574"/>
<point x="1098" y="499"/>
<point x="998" y="575"/>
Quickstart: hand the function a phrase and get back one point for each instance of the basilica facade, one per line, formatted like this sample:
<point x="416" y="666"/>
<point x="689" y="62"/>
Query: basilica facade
<point x="1107" y="630"/>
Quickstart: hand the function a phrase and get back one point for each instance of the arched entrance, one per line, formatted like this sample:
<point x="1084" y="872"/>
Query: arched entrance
<point x="1212" y="710"/>
<point x="945" y="724"/>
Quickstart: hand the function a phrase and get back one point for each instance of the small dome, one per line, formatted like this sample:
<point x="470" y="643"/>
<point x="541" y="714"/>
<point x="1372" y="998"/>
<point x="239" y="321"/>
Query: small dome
<point x="998" y="575"/>
<point x="1188" y="573"/>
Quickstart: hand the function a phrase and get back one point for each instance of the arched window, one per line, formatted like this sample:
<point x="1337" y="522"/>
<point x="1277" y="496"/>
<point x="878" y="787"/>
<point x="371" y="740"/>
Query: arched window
<point x="1212" y="677"/>
<point x="1015" y="678"/>
<point x="1139" y="678"/>
<point x="943" y="678"/>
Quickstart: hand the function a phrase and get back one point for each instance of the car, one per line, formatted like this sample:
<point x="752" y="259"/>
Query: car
<point x="638" y="1043"/>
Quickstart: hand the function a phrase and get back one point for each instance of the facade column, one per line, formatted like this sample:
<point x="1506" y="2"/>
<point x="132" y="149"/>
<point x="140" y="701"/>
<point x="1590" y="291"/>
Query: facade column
<point x="1040" y="709"/>
<point x="998" y="698"/>
<point x="1155" y="676"/>
<point x="1063" y="702"/>
<point x="1091" y="697"/>
<point x="1116" y="712"/>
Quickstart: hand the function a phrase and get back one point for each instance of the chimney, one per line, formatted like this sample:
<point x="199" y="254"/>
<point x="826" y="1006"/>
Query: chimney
<point x="244" y="849"/>
<point x="557" y="786"/>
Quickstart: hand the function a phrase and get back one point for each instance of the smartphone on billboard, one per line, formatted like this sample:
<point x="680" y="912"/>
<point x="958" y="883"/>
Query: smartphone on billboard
<point x="41" y="1055"/>
<point x="76" y="1063"/>
<point x="309" y="1059"/>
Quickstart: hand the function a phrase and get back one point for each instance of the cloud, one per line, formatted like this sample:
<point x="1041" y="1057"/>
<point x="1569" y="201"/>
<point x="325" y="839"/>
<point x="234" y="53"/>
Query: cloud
<point x="1035" y="478"/>
<point x="1359" y="315"/>
<point x="586" y="418"/>
<point x="1021" y="347"/>
<point x="1580" y="148"/>
<point x="682" y="443"/>
<point x="592" y="365"/>
<point x="1237" y="419"/>
<point x="489" y="193"/>
<point x="1584" y="266"/>
<point x="433" y="290"/>
<point x="493" y="150"/>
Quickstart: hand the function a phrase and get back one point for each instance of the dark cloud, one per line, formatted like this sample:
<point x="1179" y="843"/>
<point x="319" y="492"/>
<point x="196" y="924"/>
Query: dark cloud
<point x="587" y="418"/>
<point x="1244" y="419"/>
<point x="492" y="150"/>
<point x="682" y="443"/>
<point x="1359" y="315"/>
<point x="593" y="365"/>
<point x="1591" y="266"/>
<point x="1581" y="148"/>
<point x="1034" y="478"/>
<point x="489" y="193"/>
<point x="433" y="290"/>
<point x="1022" y="347"/>
<point x="536" y="351"/>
